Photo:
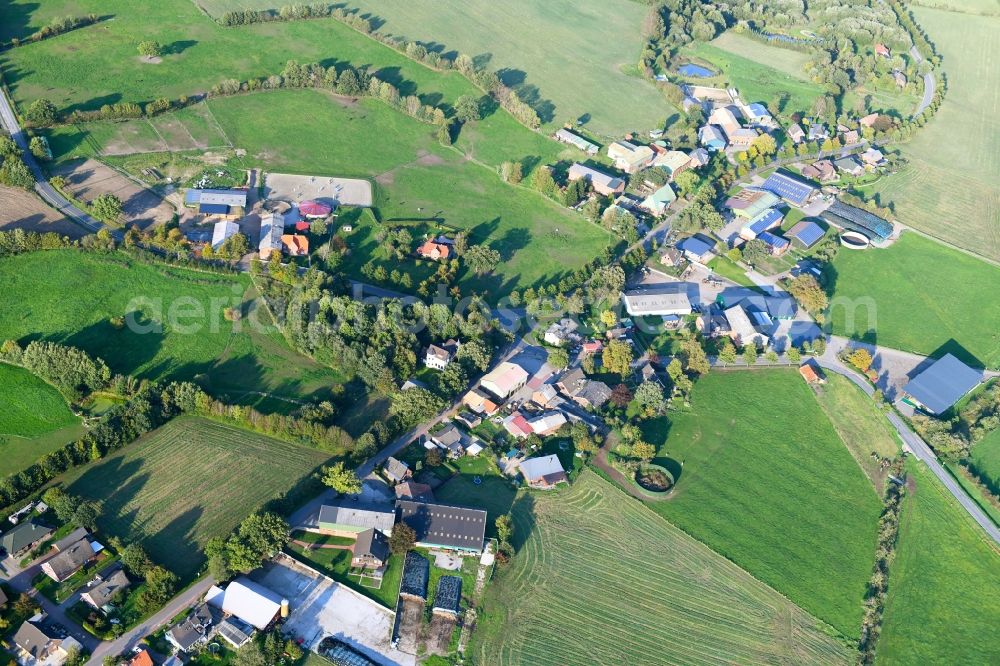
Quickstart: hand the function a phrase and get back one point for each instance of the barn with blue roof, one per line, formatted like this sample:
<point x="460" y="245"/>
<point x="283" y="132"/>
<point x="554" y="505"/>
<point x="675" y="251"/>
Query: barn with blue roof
<point x="806" y="233"/>
<point x="697" y="248"/>
<point x="939" y="387"/>
<point x="792" y="190"/>
<point x="775" y="243"/>
<point x="857" y="219"/>
<point x="766" y="221"/>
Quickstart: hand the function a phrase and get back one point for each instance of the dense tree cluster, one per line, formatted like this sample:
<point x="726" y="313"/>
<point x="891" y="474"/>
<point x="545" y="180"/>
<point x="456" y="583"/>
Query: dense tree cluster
<point x="670" y="24"/>
<point x="258" y="537"/>
<point x="70" y="370"/>
<point x="19" y="241"/>
<point x="13" y="171"/>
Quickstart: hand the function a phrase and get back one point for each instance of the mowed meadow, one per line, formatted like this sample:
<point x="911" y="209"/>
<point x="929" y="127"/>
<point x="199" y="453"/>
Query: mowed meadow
<point x="600" y="579"/>
<point x="71" y="297"/>
<point x="920" y="296"/>
<point x="34" y="419"/>
<point x="944" y="585"/>
<point x="558" y="55"/>
<point x="763" y="479"/>
<point x="949" y="189"/>
<point x="188" y="481"/>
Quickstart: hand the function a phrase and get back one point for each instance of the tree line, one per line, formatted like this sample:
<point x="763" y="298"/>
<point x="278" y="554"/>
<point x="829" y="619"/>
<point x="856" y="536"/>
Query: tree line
<point x="57" y="26"/>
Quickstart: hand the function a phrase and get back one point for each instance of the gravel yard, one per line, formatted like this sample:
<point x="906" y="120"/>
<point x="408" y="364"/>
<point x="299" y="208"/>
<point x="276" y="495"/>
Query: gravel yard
<point x="341" y="191"/>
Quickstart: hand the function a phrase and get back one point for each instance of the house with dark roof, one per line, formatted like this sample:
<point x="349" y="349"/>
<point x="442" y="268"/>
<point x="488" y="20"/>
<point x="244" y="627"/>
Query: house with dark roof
<point x="940" y="386"/>
<point x="444" y="526"/>
<point x="39" y="644"/>
<point x="350" y="518"/>
<point x="451" y="439"/>
<point x="23" y="537"/>
<point x="194" y="630"/>
<point x="412" y="490"/>
<point x="99" y="595"/>
<point x="70" y="539"/>
<point x="224" y="203"/>
<point x="543" y="472"/>
<point x="69" y="561"/>
<point x="396" y="470"/>
<point x="371" y="550"/>
<point x="806" y="233"/>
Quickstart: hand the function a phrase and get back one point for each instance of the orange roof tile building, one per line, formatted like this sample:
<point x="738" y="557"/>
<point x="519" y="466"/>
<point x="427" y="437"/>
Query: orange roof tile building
<point x="295" y="245"/>
<point x="432" y="250"/>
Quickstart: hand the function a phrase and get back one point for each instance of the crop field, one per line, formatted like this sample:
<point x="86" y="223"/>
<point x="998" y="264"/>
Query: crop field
<point x="26" y="210"/>
<point x="861" y="426"/>
<point x="34" y="419"/>
<point x="756" y="79"/>
<point x="925" y="298"/>
<point x="665" y="598"/>
<point x="547" y="50"/>
<point x="417" y="179"/>
<point x="944" y="585"/>
<point x="162" y="346"/>
<point x="948" y="188"/>
<point x="188" y="481"/>
<point x="763" y="479"/>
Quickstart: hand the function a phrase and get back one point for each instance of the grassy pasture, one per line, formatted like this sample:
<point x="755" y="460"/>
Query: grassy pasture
<point x="925" y="296"/>
<point x="787" y="61"/>
<point x="233" y="361"/>
<point x="755" y="77"/>
<point x="188" y="481"/>
<point x="34" y="419"/>
<point x="944" y="585"/>
<point x="764" y="480"/>
<point x="985" y="456"/>
<point x="984" y="7"/>
<point x="948" y="188"/>
<point x="634" y="589"/>
<point x="556" y="53"/>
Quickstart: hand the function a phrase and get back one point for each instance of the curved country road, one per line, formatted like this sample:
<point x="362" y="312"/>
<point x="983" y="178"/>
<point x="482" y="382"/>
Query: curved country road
<point x="930" y="84"/>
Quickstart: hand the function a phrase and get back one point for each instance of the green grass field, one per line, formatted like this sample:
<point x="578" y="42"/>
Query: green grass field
<point x="747" y="66"/>
<point x="925" y="296"/>
<point x="985" y="457"/>
<point x="599" y="579"/>
<point x="232" y="361"/>
<point x="188" y="481"/>
<point x="34" y="419"/>
<point x="764" y="480"/>
<point x="948" y="188"/>
<point x="336" y="564"/>
<point x="548" y="50"/>
<point x="944" y="585"/>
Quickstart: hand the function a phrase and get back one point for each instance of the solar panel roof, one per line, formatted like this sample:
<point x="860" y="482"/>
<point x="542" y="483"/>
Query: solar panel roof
<point x="766" y="220"/>
<point x="773" y="240"/>
<point x="848" y="216"/>
<point x="790" y="189"/>
<point x="213" y="209"/>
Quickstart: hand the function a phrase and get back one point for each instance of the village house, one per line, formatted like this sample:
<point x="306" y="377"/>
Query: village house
<point x="272" y="228"/>
<point x="437" y="357"/>
<point x="194" y="630"/>
<point x="869" y="120"/>
<point x="396" y="470"/>
<point x="40" y="644"/>
<point x="412" y="490"/>
<point x="821" y="170"/>
<point x="659" y="201"/>
<point x="757" y="115"/>
<point x="433" y="250"/>
<point x="100" y="594"/>
<point x="23" y="537"/>
<point x="295" y="245"/>
<point x="451" y="439"/>
<point x="546" y="395"/>
<point x="776" y="245"/>
<point x="69" y="561"/>
<point x="592" y="347"/>
<point x="850" y="165"/>
<point x="544" y="472"/>
<point x="371" y="550"/>
<point x="882" y="50"/>
<point x="349" y="518"/>
<point x="602" y="183"/>
<point x="818" y="132"/>
<point x="143" y="658"/>
<point x="850" y="138"/>
<point x="674" y="162"/>
<point x="469" y="419"/>
<point x="671" y="256"/>
<point x="516" y="424"/>
<point x="811" y="373"/>
<point x="629" y="157"/>
<point x="699" y="157"/>
<point x="565" y="136"/>
<point x="899" y="77"/>
<point x="711" y="137"/>
<point x="442" y="526"/>
<point x="796" y="133"/>
<point x="547" y="423"/>
<point x="587" y="393"/>
<point x="747" y="326"/>
<point x="873" y="158"/>
<point x="479" y="402"/>
<point x="504" y="379"/>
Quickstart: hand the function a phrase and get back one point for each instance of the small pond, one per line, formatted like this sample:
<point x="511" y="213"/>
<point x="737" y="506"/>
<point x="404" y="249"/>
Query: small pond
<point x="695" y="71"/>
<point x="654" y="478"/>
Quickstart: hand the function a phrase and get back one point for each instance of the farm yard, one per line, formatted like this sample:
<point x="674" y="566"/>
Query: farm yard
<point x="188" y="481"/>
<point x="763" y="479"/>
<point x="34" y="419"/>
<point x="944" y="591"/>
<point x="26" y="210"/>
<point x="573" y="594"/>
<point x="948" y="188"/>
<point x="548" y="48"/>
<point x="230" y="361"/>
<point x="927" y="299"/>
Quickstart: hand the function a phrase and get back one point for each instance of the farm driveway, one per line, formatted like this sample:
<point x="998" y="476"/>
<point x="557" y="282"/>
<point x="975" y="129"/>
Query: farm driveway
<point x="89" y="179"/>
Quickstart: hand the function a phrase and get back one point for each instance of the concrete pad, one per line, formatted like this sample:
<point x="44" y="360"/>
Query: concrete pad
<point x="340" y="191"/>
<point x="321" y="607"/>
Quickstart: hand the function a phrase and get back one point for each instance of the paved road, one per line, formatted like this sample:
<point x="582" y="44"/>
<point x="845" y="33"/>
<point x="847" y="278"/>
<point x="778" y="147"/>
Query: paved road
<point x="46" y="191"/>
<point x="930" y="83"/>
<point x="131" y="637"/>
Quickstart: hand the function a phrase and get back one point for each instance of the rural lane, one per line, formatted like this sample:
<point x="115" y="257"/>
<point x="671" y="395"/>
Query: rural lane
<point x="42" y="186"/>
<point x="930" y="84"/>
<point x="130" y="638"/>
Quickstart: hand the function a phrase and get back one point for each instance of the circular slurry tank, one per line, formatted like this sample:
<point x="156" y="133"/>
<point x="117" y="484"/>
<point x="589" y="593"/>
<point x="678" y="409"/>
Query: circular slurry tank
<point x="854" y="240"/>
